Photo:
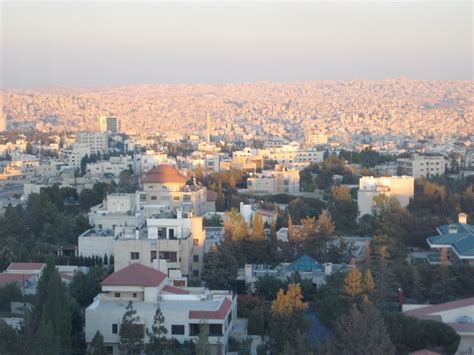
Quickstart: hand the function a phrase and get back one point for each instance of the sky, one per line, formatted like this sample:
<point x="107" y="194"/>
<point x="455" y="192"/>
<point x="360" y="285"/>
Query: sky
<point x="106" y="43"/>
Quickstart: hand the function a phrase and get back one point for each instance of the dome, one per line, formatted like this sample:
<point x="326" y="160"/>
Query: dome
<point x="163" y="174"/>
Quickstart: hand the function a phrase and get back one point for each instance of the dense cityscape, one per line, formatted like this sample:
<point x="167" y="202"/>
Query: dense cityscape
<point x="182" y="178"/>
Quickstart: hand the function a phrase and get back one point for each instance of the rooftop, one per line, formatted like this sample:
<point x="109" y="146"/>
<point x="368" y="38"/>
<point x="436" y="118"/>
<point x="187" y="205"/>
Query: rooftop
<point x="164" y="173"/>
<point x="25" y="266"/>
<point x="135" y="275"/>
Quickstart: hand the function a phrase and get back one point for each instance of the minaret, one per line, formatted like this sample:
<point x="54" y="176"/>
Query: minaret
<point x="208" y="132"/>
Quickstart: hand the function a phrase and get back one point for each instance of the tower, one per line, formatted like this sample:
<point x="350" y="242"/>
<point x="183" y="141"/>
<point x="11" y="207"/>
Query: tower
<point x="208" y="131"/>
<point x="108" y="124"/>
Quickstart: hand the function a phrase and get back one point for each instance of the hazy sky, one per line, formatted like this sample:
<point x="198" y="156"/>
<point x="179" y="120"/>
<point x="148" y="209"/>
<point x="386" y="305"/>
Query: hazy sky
<point x="118" y="43"/>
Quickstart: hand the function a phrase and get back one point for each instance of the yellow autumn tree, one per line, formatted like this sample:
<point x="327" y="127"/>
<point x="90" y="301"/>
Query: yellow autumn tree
<point x="352" y="282"/>
<point x="288" y="303"/>
<point x="367" y="252"/>
<point x="368" y="282"/>
<point x="235" y="228"/>
<point x="326" y="225"/>
<point x="291" y="231"/>
<point x="308" y="228"/>
<point x="258" y="231"/>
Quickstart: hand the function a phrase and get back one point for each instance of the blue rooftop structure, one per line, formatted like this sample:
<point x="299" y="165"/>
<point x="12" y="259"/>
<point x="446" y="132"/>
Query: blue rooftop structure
<point x="458" y="237"/>
<point x="305" y="263"/>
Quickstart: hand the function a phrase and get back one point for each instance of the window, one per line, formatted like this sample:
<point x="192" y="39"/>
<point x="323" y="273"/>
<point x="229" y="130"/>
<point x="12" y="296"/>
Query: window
<point x="152" y="255"/>
<point x="114" y="328"/>
<point x="215" y="330"/>
<point x="196" y="258"/>
<point x="171" y="233"/>
<point x="134" y="295"/>
<point x="177" y="329"/>
<point x="196" y="273"/>
<point x="171" y="256"/>
<point x="153" y="198"/>
<point x="195" y="242"/>
<point x="142" y="197"/>
<point x="193" y="329"/>
<point x="176" y="198"/>
<point x="109" y="349"/>
<point x="229" y="318"/>
<point x="134" y="255"/>
<point x="187" y="198"/>
<point x="117" y="294"/>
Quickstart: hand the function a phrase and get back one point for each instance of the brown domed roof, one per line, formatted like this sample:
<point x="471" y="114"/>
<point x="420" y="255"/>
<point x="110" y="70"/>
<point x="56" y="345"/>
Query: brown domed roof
<point x="164" y="173"/>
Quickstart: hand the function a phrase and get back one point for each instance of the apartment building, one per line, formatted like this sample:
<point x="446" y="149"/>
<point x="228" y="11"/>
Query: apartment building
<point x="143" y="162"/>
<point x="184" y="308"/>
<point x="400" y="187"/>
<point x="316" y="138"/>
<point x="111" y="168"/>
<point x="422" y="165"/>
<point x="74" y="154"/>
<point x="174" y="241"/>
<point x="292" y="155"/>
<point x="96" y="141"/>
<point x="208" y="162"/>
<point x="164" y="185"/>
<point x="279" y="180"/>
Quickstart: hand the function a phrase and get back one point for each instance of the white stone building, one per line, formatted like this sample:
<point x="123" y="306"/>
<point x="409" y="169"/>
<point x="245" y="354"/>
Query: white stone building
<point x="279" y="180"/>
<point x="400" y="187"/>
<point x="184" y="309"/>
<point x="422" y="165"/>
<point x="98" y="142"/>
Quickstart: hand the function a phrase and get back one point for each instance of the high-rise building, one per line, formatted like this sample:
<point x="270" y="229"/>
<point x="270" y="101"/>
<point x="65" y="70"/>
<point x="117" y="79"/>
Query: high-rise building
<point x="108" y="124"/>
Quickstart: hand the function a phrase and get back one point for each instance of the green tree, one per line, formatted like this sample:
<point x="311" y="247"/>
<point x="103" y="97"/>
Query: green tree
<point x="287" y="318"/>
<point x="97" y="346"/>
<point x="9" y="293"/>
<point x="46" y="342"/>
<point x="11" y="341"/>
<point x="131" y="333"/>
<point x="363" y="332"/>
<point x="256" y="322"/>
<point x="267" y="287"/>
<point x="157" y="336"/>
<point x="220" y="268"/>
<point x="202" y="344"/>
<point x="409" y="334"/>
<point x="56" y="309"/>
<point x="343" y="209"/>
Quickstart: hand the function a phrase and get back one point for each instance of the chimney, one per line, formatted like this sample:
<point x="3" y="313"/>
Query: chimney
<point x="462" y="217"/>
<point x="327" y="269"/>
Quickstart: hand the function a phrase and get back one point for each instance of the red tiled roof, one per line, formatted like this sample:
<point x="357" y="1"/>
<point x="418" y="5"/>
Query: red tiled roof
<point x="164" y="173"/>
<point x="135" y="275"/>
<point x="219" y="314"/>
<point x="425" y="311"/>
<point x="7" y="278"/>
<point x="175" y="290"/>
<point x="25" y="266"/>
<point x="211" y="196"/>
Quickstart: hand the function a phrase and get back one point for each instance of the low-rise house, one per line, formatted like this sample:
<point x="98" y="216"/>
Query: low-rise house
<point x="458" y="238"/>
<point x="185" y="309"/>
<point x="306" y="266"/>
<point x="457" y="314"/>
<point x="24" y="275"/>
